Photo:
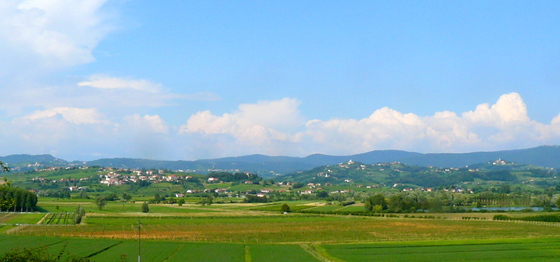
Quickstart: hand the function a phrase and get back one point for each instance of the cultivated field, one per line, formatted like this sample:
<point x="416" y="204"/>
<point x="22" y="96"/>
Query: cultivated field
<point x="237" y="232"/>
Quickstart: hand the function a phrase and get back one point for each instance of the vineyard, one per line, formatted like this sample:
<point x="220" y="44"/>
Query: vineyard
<point x="62" y="218"/>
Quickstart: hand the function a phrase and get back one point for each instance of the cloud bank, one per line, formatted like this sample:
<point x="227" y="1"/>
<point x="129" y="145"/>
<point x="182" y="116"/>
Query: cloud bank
<point x="270" y="127"/>
<point x="504" y="124"/>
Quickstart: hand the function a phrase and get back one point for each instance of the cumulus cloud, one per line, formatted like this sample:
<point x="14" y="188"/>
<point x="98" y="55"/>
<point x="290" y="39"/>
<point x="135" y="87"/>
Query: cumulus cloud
<point x="147" y="137"/>
<point x="379" y="129"/>
<point x="54" y="33"/>
<point x="509" y="110"/>
<point x="276" y="128"/>
<point x="63" y="132"/>
<point x="254" y="123"/>
<point x="85" y="134"/>
<point x="147" y="124"/>
<point x="504" y="124"/>
<point x="487" y="127"/>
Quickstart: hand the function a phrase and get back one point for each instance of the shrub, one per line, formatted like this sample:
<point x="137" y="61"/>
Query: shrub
<point x="285" y="208"/>
<point x="501" y="217"/>
<point x="145" y="207"/>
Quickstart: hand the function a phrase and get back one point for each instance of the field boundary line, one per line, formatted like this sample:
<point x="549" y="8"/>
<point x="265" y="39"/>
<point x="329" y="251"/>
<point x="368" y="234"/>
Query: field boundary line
<point x="43" y="219"/>
<point x="541" y="223"/>
<point x="103" y="250"/>
<point x="247" y="254"/>
<point x="15" y="230"/>
<point x="174" y="252"/>
<point x="320" y="255"/>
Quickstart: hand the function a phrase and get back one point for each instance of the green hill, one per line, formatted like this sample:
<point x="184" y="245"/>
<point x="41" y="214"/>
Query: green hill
<point x="545" y="156"/>
<point x="402" y="175"/>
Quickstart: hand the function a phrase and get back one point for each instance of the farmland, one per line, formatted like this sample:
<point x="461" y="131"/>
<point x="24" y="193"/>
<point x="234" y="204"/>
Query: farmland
<point x="190" y="218"/>
<point x="244" y="232"/>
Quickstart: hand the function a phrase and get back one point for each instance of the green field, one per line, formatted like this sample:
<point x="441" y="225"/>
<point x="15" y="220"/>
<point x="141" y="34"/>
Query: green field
<point x="238" y="232"/>
<point x="494" y="250"/>
<point x="543" y="249"/>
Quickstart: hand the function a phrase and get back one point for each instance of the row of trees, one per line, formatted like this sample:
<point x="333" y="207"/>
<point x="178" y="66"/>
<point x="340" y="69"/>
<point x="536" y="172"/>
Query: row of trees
<point x="16" y="199"/>
<point x="449" y="202"/>
<point x="13" y="198"/>
<point x="235" y="177"/>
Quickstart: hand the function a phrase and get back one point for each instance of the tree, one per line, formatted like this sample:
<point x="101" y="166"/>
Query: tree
<point x="126" y="197"/>
<point x="13" y="198"/>
<point x="79" y="214"/>
<point x="255" y="199"/>
<point x="100" y="201"/>
<point x="3" y="167"/>
<point x="206" y="201"/>
<point x="322" y="194"/>
<point x="180" y="202"/>
<point x="397" y="203"/>
<point x="371" y="203"/>
<point x="285" y="208"/>
<point x="158" y="198"/>
<point x="83" y="194"/>
<point x="145" y="207"/>
<point x="297" y="185"/>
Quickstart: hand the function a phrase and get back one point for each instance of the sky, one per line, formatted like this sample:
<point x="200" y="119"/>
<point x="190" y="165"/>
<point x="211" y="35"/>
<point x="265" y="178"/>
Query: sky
<point x="187" y="80"/>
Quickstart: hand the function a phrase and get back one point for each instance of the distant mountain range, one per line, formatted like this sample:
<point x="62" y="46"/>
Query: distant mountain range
<point x="545" y="156"/>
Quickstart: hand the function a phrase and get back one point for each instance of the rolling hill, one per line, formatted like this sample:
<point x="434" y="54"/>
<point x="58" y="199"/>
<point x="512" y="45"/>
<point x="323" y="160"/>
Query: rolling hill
<point x="545" y="156"/>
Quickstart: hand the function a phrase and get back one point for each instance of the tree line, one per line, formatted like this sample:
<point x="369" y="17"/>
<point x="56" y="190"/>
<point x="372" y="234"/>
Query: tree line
<point x="417" y="201"/>
<point x="16" y="199"/>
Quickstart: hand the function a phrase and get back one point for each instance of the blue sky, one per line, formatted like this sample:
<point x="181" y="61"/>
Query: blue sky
<point x="86" y="79"/>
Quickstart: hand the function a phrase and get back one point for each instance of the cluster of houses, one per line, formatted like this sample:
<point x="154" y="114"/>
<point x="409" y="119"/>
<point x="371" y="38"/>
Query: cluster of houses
<point x="114" y="178"/>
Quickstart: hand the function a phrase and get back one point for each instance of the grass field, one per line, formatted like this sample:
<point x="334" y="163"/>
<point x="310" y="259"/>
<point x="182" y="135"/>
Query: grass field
<point x="20" y="218"/>
<point x="235" y="232"/>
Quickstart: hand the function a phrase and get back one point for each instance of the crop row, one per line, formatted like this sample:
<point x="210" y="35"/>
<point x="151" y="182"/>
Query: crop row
<point x="62" y="218"/>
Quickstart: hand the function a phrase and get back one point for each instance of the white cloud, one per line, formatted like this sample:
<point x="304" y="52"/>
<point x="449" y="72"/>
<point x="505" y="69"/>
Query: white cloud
<point x="108" y="82"/>
<point x="72" y="115"/>
<point x="265" y="127"/>
<point x="147" y="124"/>
<point x="54" y="33"/>
<point x="84" y="134"/>
<point x="509" y="110"/>
<point x="446" y="130"/>
<point x="379" y="130"/>
<point x="488" y="126"/>
<point x="275" y="128"/>
<point x="504" y="124"/>
<point x="147" y="137"/>
<point x="138" y="92"/>
<point x="252" y="122"/>
<point x="63" y="132"/>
